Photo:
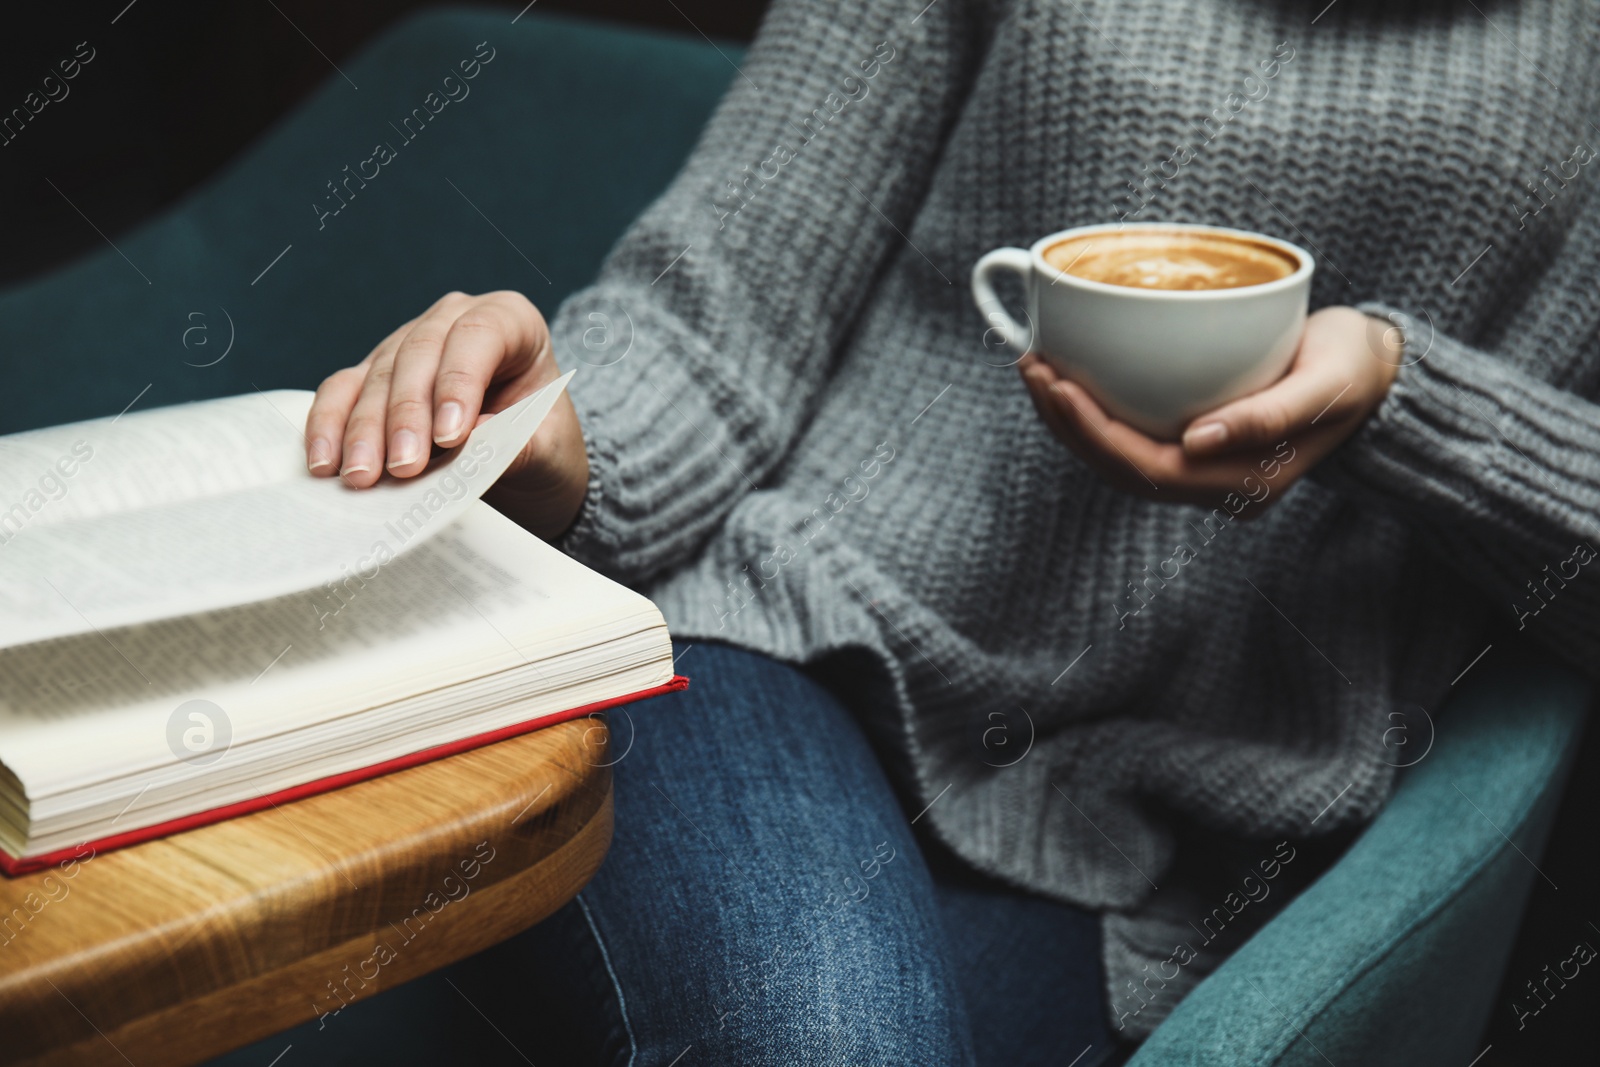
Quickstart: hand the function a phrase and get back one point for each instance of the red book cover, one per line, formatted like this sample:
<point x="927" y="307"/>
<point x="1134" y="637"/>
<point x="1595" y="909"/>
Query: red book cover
<point x="11" y="865"/>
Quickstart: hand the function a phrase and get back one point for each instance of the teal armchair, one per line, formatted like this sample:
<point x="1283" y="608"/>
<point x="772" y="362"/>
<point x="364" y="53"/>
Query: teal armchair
<point x="522" y="181"/>
<point x="564" y="134"/>
<point x="1394" y="955"/>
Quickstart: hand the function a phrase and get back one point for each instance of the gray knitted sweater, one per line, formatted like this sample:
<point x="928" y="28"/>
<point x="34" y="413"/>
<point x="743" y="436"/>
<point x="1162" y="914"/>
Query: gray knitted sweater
<point x="802" y="444"/>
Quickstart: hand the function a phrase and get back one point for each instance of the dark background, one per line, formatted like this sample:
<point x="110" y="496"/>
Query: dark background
<point x="193" y="84"/>
<point x="176" y="90"/>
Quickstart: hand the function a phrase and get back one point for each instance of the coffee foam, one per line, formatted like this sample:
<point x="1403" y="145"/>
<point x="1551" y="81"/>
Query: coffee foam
<point x="1170" y="259"/>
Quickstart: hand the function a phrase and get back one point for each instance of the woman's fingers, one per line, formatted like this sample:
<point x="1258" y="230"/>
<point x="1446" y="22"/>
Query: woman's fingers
<point x="1247" y="451"/>
<point x="1143" y="465"/>
<point x="362" y="462"/>
<point x="1128" y="459"/>
<point x="1275" y="414"/>
<point x="428" y="383"/>
<point x="1080" y="424"/>
<point x="1062" y="418"/>
<point x="335" y="399"/>
<point x="1039" y="377"/>
<point x="492" y="339"/>
<point x="1335" y="376"/>
<point x="407" y="439"/>
<point x="336" y="396"/>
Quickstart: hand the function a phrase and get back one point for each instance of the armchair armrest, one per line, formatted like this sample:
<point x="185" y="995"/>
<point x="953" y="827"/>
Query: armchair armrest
<point x="1394" y="954"/>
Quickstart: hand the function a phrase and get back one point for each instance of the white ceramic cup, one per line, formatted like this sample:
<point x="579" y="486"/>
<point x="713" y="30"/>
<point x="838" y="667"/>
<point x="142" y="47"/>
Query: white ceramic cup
<point x="1154" y="358"/>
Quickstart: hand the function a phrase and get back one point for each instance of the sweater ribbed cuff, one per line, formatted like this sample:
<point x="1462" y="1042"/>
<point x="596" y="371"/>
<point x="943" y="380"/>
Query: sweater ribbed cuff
<point x="670" y="441"/>
<point x="593" y="539"/>
<point x="1469" y="437"/>
<point x="1499" y="473"/>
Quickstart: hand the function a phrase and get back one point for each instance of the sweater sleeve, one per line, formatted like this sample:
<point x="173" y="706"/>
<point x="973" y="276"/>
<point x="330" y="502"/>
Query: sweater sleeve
<point x="1492" y="451"/>
<point x="704" y="344"/>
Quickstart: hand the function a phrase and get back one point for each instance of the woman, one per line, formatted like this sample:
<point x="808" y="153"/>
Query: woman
<point x="962" y="697"/>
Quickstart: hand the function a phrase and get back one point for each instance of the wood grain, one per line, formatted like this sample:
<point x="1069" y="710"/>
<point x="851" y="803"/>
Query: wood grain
<point x="176" y="950"/>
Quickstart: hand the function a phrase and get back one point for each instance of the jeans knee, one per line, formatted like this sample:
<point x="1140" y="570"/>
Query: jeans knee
<point x="843" y="997"/>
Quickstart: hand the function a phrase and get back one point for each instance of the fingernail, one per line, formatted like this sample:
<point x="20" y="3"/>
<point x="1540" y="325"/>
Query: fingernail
<point x="359" y="459"/>
<point x="447" y="422"/>
<point x="403" y="449"/>
<point x="317" y="454"/>
<point x="1205" y="437"/>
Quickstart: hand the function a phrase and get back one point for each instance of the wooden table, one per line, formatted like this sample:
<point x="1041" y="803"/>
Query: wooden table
<point x="176" y="950"/>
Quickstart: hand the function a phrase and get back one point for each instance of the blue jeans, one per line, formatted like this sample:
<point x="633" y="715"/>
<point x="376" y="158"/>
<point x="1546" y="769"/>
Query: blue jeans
<point x="765" y="901"/>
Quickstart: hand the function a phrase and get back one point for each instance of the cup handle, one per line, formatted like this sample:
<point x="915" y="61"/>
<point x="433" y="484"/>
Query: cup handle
<point x="1020" y="262"/>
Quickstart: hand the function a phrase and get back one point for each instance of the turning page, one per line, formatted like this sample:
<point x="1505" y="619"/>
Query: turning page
<point x="209" y="505"/>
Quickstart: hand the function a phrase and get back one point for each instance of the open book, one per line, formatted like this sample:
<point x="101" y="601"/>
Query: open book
<point x="192" y="626"/>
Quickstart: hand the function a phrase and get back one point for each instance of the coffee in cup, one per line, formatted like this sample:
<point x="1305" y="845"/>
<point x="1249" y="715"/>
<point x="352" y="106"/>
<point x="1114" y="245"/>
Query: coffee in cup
<point x="1160" y="322"/>
<point x="1170" y="259"/>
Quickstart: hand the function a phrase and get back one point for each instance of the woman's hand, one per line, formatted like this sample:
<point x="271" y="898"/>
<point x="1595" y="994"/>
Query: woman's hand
<point x="433" y="380"/>
<point x="1343" y="369"/>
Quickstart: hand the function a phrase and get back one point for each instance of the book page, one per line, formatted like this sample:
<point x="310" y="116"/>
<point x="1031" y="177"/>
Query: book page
<point x="483" y="596"/>
<point x="174" y="511"/>
<point x="147" y="458"/>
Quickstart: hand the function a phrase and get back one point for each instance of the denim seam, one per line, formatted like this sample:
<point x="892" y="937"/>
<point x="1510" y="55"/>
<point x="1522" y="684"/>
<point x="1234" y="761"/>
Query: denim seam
<point x="1425" y="918"/>
<point x="616" y="983"/>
